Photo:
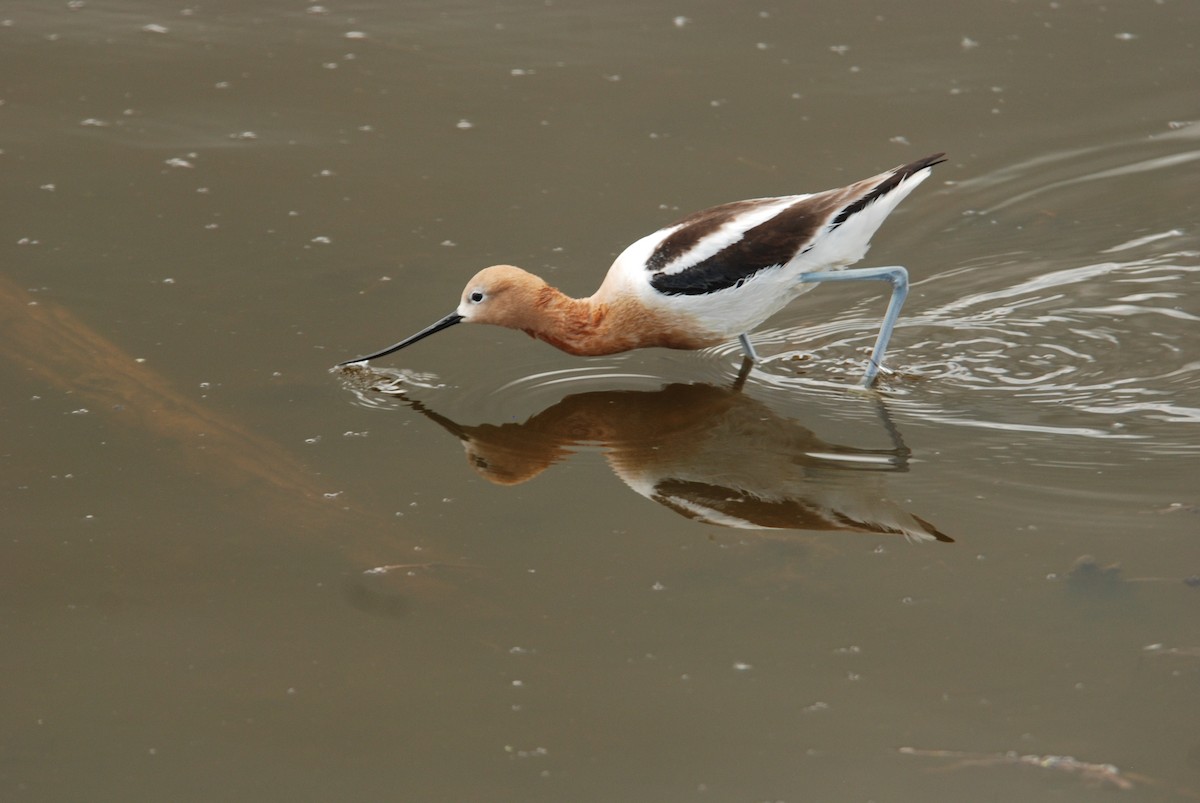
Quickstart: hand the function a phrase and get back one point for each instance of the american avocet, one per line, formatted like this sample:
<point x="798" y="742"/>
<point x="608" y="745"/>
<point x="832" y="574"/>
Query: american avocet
<point x="713" y="275"/>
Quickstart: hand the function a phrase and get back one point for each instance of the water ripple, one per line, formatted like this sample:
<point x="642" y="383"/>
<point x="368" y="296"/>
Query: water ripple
<point x="1082" y="325"/>
<point x="1068" y="351"/>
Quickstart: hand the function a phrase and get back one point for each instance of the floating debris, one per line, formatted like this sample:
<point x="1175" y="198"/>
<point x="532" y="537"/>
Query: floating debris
<point x="412" y="568"/>
<point x="1088" y="576"/>
<point x="1184" y="652"/>
<point x="1101" y="774"/>
<point x="1179" y="507"/>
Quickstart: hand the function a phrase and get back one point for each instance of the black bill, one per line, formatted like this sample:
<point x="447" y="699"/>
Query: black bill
<point x="444" y="323"/>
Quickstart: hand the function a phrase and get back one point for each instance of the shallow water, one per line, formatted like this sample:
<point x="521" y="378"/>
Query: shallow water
<point x="485" y="570"/>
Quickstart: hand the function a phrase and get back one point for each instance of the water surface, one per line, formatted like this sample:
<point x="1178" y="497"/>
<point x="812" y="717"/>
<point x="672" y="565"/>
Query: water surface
<point x="491" y="571"/>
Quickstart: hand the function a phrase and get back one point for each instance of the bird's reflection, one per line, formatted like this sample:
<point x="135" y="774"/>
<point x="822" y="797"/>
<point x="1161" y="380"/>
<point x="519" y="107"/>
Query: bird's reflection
<point x="711" y="454"/>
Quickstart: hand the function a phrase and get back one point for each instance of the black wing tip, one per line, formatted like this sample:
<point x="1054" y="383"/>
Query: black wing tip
<point x="890" y="181"/>
<point x="907" y="170"/>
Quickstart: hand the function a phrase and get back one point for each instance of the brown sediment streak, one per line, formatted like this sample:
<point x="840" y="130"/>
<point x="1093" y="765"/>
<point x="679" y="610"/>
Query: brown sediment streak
<point x="53" y="346"/>
<point x="588" y="328"/>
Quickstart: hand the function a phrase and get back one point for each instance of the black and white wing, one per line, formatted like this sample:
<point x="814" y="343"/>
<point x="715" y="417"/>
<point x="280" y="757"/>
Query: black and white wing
<point x="722" y="247"/>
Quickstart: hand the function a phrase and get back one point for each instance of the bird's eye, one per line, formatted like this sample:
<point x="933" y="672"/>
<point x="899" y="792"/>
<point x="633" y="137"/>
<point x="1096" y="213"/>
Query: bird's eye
<point x="476" y="296"/>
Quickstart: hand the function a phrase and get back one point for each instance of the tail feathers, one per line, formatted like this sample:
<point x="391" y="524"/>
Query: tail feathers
<point x="847" y="236"/>
<point x="894" y="179"/>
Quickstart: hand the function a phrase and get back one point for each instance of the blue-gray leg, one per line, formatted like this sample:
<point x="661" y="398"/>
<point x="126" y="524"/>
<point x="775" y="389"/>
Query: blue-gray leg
<point x="894" y="275"/>
<point x="747" y="348"/>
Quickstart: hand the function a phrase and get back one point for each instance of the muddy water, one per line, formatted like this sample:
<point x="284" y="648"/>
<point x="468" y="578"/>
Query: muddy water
<point x="489" y="571"/>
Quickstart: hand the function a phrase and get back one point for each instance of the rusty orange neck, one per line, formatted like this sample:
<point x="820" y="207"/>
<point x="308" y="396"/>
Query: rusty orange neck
<point x="589" y="327"/>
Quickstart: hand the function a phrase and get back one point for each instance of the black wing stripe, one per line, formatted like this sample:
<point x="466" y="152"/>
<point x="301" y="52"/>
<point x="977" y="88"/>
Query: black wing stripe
<point x="692" y="229"/>
<point x="770" y="244"/>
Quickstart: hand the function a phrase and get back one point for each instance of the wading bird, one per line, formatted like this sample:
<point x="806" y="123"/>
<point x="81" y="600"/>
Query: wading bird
<point x="712" y="276"/>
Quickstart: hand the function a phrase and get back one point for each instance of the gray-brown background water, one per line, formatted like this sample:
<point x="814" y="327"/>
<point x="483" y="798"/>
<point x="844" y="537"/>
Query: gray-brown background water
<point x="229" y="574"/>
